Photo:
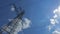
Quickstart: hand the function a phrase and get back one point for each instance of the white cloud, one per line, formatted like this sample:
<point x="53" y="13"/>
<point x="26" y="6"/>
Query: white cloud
<point x="55" y="11"/>
<point x="52" y="21"/>
<point x="49" y="27"/>
<point x="57" y="22"/>
<point x="56" y="32"/>
<point x="27" y="23"/>
<point x="55" y="16"/>
<point x="59" y="9"/>
<point x="12" y="8"/>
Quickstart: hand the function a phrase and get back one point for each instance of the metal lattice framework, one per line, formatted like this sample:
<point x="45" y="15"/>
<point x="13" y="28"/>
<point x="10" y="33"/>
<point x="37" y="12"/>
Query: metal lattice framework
<point x="11" y="27"/>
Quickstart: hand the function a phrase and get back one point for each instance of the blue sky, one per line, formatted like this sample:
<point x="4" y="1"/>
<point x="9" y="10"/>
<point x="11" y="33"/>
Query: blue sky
<point x="38" y="11"/>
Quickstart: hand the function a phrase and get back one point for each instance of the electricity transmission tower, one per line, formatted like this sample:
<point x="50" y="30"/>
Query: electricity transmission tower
<point x="13" y="25"/>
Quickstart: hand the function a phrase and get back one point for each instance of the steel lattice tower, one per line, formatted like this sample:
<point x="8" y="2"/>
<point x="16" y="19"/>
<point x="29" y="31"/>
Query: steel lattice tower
<point x="11" y="27"/>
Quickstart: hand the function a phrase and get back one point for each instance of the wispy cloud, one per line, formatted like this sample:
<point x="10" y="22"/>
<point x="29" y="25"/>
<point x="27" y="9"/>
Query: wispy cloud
<point x="54" y="21"/>
<point x="12" y="8"/>
<point x="55" y="16"/>
<point x="27" y="23"/>
<point x="50" y="27"/>
<point x="55" y="11"/>
<point x="56" y="32"/>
